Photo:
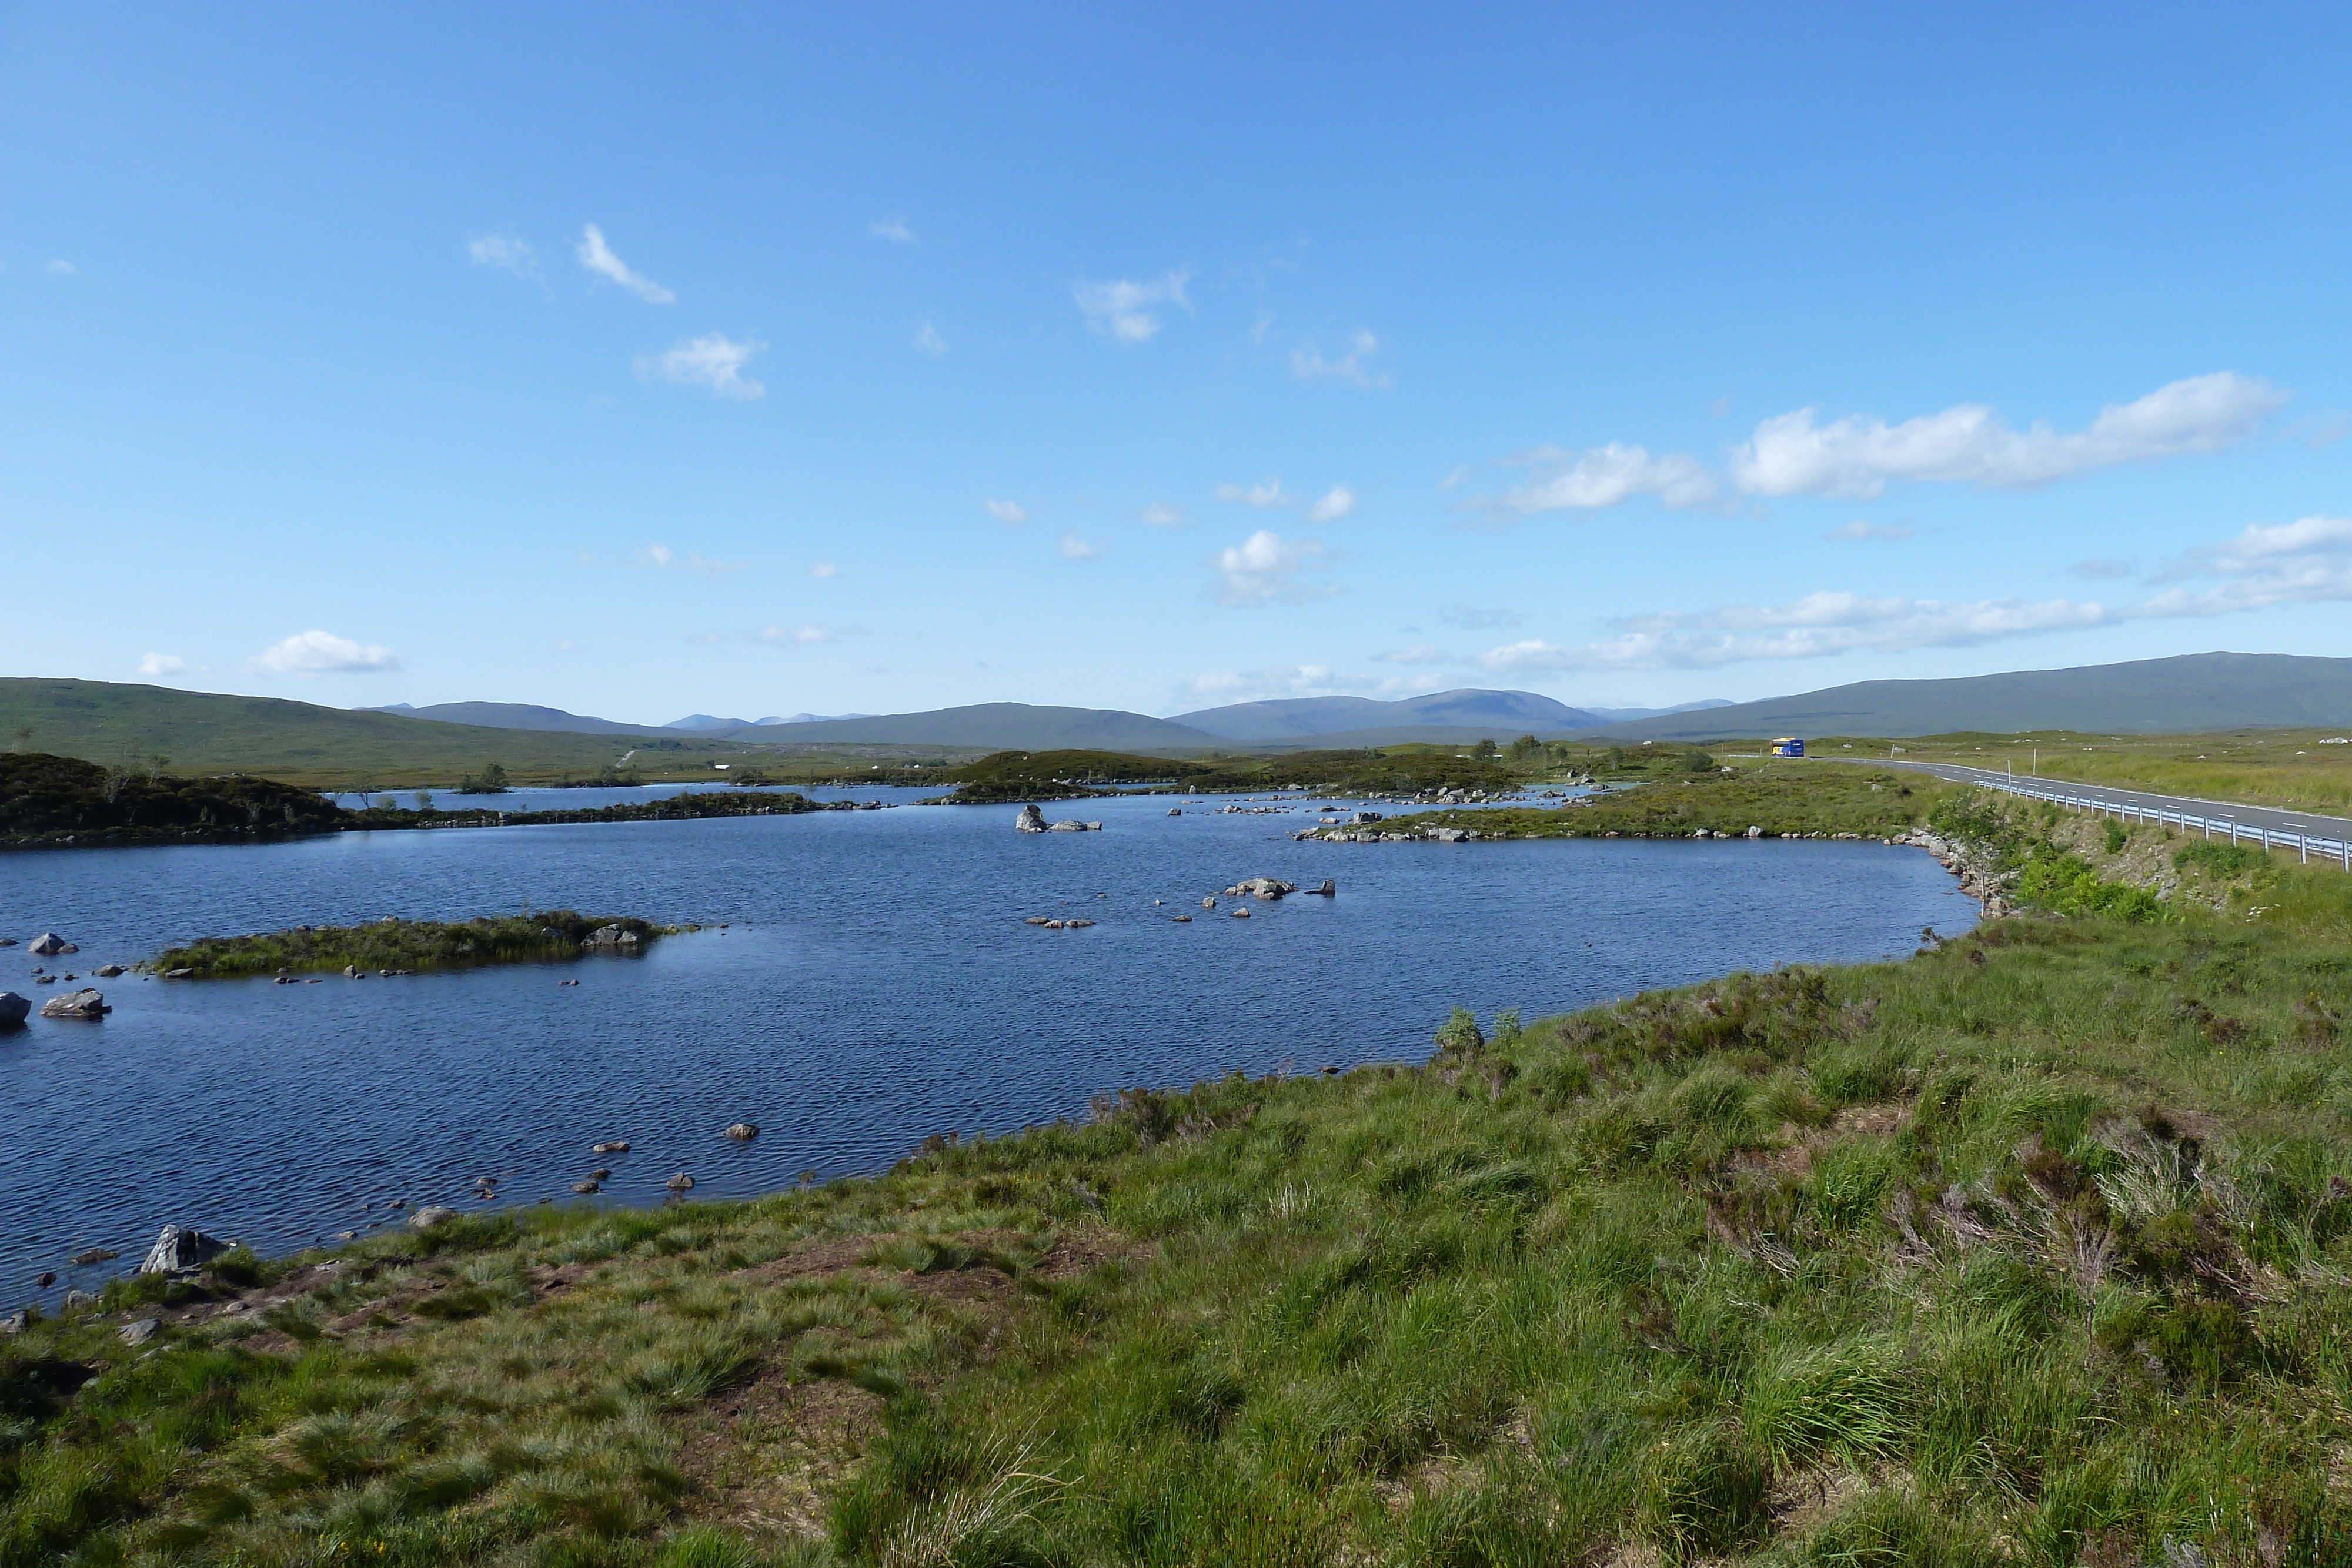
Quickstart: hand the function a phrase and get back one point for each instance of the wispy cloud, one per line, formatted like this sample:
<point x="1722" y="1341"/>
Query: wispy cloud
<point x="1472" y="619"/>
<point x="2104" y="567"/>
<point x="892" y="229"/>
<point x="319" y="653"/>
<point x="1334" y="504"/>
<point x="1276" y="682"/>
<point x="1308" y="364"/>
<point x="1265" y="568"/>
<point x="1863" y="528"/>
<point x="795" y="636"/>
<point x="1857" y="456"/>
<point x="58" y="267"/>
<point x="1012" y="514"/>
<point x="930" y="341"/>
<point x="598" y="257"/>
<point x="1599" y="478"/>
<point x="713" y="360"/>
<point x="1160" y="515"/>
<point x="507" y="252"/>
<point x="154" y="664"/>
<point x="2308" y="561"/>
<point x="661" y="557"/>
<point x="1970" y="444"/>
<point x="1264" y="492"/>
<point x="825" y="568"/>
<point x="1267" y="495"/>
<point x="1418" y="654"/>
<point x="1127" y="311"/>
<point x="1077" y="549"/>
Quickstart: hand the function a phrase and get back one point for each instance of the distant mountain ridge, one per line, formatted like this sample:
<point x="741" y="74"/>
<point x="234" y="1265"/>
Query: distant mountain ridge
<point x="516" y="715"/>
<point x="2190" y="692"/>
<point x="1300" y="718"/>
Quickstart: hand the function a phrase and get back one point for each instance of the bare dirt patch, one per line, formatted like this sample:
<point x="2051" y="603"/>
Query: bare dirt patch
<point x="767" y="1458"/>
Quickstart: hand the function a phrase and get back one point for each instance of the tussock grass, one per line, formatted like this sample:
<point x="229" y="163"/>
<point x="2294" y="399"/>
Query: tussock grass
<point x="2032" y="1249"/>
<point x="390" y="944"/>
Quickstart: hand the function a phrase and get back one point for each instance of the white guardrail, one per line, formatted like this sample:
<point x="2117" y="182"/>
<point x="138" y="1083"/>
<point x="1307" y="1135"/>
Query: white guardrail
<point x="2337" y="850"/>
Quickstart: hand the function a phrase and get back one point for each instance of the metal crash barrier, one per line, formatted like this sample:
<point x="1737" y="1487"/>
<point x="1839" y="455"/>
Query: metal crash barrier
<point x="2306" y="846"/>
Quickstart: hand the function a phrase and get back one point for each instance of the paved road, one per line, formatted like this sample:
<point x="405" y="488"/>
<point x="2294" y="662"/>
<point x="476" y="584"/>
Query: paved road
<point x="2332" y="833"/>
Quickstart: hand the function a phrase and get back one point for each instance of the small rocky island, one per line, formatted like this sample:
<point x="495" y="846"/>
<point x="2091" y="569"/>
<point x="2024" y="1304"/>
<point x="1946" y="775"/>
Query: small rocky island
<point x="394" y="946"/>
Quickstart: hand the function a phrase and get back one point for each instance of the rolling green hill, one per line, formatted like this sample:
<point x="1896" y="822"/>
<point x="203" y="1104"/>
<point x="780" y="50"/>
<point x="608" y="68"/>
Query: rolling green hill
<point x="300" y="743"/>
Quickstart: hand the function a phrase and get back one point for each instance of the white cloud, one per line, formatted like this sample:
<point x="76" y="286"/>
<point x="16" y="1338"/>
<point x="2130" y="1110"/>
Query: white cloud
<point x="930" y="341"/>
<point x="505" y="252"/>
<point x="59" y="267"/>
<point x="1012" y="514"/>
<point x="714" y="361"/>
<point x="1127" y="311"/>
<point x="1077" y="549"/>
<point x="2306" y="561"/>
<point x="1602" y="477"/>
<point x="161" y="663"/>
<point x="1264" y="568"/>
<point x="322" y="653"/>
<point x="2104" y="567"/>
<point x="598" y="257"/>
<point x="1419" y="654"/>
<point x="1276" y="682"/>
<point x="1863" y="528"/>
<point x="795" y="636"/>
<point x="660" y="557"/>
<point x="1308" y="365"/>
<point x="1160" y="515"/>
<point x="1790" y="455"/>
<point x="892" y="229"/>
<point x="825" y="568"/>
<point x="1265" y="493"/>
<point x="1332" y="504"/>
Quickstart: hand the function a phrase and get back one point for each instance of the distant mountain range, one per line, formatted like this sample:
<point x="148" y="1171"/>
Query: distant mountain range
<point x="1302" y="718"/>
<point x="2146" y="697"/>
<point x="528" y="716"/>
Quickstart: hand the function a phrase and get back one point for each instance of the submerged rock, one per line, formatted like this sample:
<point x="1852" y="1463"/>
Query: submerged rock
<point x="86" y="1003"/>
<point x="14" y="1010"/>
<point x="1329" y="890"/>
<point x="48" y="944"/>
<point x="611" y="1146"/>
<point x="108" y="971"/>
<point x="680" y="1182"/>
<point x="89" y="1254"/>
<point x="743" y="1132"/>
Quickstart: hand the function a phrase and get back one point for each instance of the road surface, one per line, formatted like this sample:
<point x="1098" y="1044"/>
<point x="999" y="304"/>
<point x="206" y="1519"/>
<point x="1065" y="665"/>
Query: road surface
<point x="2315" y="836"/>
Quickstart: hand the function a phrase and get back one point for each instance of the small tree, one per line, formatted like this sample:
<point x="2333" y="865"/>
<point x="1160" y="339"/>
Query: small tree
<point x="1483" y="751"/>
<point x="22" y="737"/>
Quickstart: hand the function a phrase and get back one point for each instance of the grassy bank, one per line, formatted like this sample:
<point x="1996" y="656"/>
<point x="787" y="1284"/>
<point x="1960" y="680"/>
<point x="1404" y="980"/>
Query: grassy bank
<point x="2287" y="768"/>
<point x="1676" y="801"/>
<point x="2031" y="1249"/>
<point x="550" y="935"/>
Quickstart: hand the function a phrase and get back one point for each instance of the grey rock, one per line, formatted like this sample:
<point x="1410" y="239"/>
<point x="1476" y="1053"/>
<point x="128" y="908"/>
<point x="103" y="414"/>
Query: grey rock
<point x="680" y="1182"/>
<point x="1030" y="820"/>
<point x="48" y="944"/>
<point x="179" y="1250"/>
<point x="86" y="1003"/>
<point x="611" y="1146"/>
<point x="138" y="1333"/>
<point x="431" y="1214"/>
<point x="616" y="936"/>
<point x="1067" y="827"/>
<point x="14" y="1010"/>
<point x="1329" y="890"/>
<point x="584" y="1188"/>
<point x="743" y="1132"/>
<point x="1755" y="832"/>
<point x="17" y="1321"/>
<point x="79" y="1301"/>
<point x="108" y="971"/>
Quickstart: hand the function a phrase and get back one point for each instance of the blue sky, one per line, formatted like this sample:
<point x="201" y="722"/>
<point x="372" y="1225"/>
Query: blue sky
<point x="761" y="359"/>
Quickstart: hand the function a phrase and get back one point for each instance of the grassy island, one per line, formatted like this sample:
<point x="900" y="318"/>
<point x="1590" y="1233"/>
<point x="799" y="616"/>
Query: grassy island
<point x="2035" y="1247"/>
<point x="390" y="944"/>
<point x="1785" y="800"/>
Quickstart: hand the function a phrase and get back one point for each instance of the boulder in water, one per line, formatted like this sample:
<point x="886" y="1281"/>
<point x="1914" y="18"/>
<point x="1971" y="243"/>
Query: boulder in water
<point x="48" y="944"/>
<point x="91" y="1255"/>
<point x="613" y="937"/>
<point x="1030" y="820"/>
<point x="181" y="1251"/>
<point x="431" y="1214"/>
<point x="108" y="971"/>
<point x="611" y="1146"/>
<point x="87" y="1003"/>
<point x="743" y="1132"/>
<point x="1329" y="890"/>
<point x="680" y="1182"/>
<point x="14" y="1010"/>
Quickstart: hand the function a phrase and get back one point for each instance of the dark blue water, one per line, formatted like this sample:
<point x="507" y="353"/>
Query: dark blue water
<point x="875" y="984"/>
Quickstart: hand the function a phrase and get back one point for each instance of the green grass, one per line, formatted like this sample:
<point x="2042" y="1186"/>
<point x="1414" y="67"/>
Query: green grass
<point x="550" y="935"/>
<point x="2287" y="768"/>
<point x="2031" y="1249"/>
<point x="1783" y="798"/>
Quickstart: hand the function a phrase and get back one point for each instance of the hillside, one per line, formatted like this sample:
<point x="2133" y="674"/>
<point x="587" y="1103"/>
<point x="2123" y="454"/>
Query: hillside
<point x="519" y="716"/>
<point x="298" y="743"/>
<point x="2194" y="692"/>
